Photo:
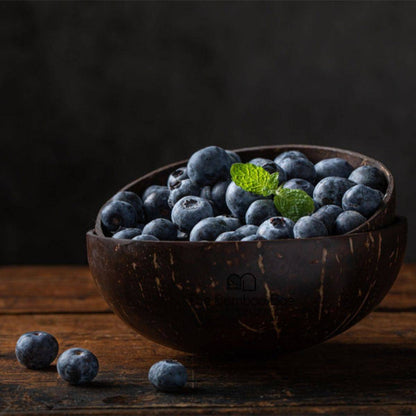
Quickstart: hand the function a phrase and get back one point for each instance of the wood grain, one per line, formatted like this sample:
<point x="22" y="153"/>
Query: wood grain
<point x="370" y="369"/>
<point x="48" y="289"/>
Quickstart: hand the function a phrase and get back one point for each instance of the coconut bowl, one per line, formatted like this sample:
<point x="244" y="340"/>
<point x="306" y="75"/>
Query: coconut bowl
<point x="250" y="297"/>
<point x="246" y="297"/>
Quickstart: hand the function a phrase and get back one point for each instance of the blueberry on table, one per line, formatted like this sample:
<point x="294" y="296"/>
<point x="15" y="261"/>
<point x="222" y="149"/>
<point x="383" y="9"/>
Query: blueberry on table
<point x="347" y="221"/>
<point x="145" y="237"/>
<point x="302" y="184"/>
<point x="252" y="237"/>
<point x="36" y="350"/>
<point x="168" y="375"/>
<point x="260" y="210"/>
<point x="156" y="204"/>
<point x="330" y="190"/>
<point x="189" y="210"/>
<point x="238" y="200"/>
<point x="333" y="167"/>
<point x="77" y="366"/>
<point x="298" y="168"/>
<point x="133" y="199"/>
<point x="151" y="189"/>
<point x="248" y="229"/>
<point x="276" y="228"/>
<point x="309" y="226"/>
<point x="291" y="154"/>
<point x="176" y="176"/>
<point x="231" y="222"/>
<point x="128" y="233"/>
<point x="208" y="229"/>
<point x="209" y="165"/>
<point x="161" y="228"/>
<point x="363" y="199"/>
<point x="369" y="176"/>
<point x="118" y="214"/>
<point x="233" y="156"/>
<point x="328" y="214"/>
<point x="229" y="236"/>
<point x="181" y="189"/>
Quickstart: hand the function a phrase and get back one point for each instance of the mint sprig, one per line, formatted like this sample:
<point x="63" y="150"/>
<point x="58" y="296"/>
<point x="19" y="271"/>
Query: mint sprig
<point x="291" y="203"/>
<point x="254" y="179"/>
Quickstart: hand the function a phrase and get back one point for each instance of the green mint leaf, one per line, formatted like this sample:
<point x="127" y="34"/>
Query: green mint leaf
<point x="254" y="179"/>
<point x="274" y="181"/>
<point x="293" y="203"/>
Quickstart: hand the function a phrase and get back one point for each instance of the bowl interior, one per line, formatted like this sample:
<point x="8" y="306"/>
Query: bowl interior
<point x="383" y="216"/>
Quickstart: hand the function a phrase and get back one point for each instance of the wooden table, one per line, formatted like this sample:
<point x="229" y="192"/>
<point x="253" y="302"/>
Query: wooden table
<point x="370" y="369"/>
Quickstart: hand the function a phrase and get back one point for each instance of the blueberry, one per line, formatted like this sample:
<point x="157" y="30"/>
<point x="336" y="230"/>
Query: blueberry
<point x="176" y="176"/>
<point x="118" y="214"/>
<point x="232" y="222"/>
<point x="181" y="189"/>
<point x="189" y="210"/>
<point x="302" y="184"/>
<point x="330" y="190"/>
<point x="253" y="237"/>
<point x="328" y="214"/>
<point x="208" y="229"/>
<point x="270" y="166"/>
<point x="363" y="199"/>
<point x="218" y="196"/>
<point x="36" y="350"/>
<point x="156" y="204"/>
<point x="260" y="210"/>
<point x="145" y="237"/>
<point x="238" y="200"/>
<point x="333" y="167"/>
<point x="128" y="233"/>
<point x="299" y="168"/>
<point x="168" y="375"/>
<point x="161" y="228"/>
<point x="151" y="189"/>
<point x="206" y="192"/>
<point x="133" y="199"/>
<point x="347" y="221"/>
<point x="369" y="176"/>
<point x="229" y="236"/>
<point x="247" y="230"/>
<point x="307" y="227"/>
<point x="233" y="156"/>
<point x="77" y="366"/>
<point x="209" y="165"/>
<point x="182" y="236"/>
<point x="291" y="154"/>
<point x="276" y="228"/>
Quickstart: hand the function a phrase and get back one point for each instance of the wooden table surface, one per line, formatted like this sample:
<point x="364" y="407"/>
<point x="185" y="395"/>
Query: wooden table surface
<point x="370" y="369"/>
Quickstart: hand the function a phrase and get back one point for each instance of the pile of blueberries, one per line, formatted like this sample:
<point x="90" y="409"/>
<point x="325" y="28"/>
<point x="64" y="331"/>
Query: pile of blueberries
<point x="36" y="350"/>
<point x="200" y="202"/>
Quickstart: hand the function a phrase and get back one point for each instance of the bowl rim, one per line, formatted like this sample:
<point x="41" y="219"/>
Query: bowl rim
<point x="366" y="160"/>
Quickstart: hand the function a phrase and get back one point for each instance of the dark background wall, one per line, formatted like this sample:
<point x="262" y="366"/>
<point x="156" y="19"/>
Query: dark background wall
<point x="94" y="95"/>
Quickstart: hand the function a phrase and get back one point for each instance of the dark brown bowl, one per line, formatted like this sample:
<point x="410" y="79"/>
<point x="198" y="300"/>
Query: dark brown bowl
<point x="383" y="216"/>
<point x="246" y="297"/>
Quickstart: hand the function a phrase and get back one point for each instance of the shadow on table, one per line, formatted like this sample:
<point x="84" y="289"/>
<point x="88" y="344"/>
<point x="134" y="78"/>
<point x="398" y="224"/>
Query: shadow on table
<point x="327" y="369"/>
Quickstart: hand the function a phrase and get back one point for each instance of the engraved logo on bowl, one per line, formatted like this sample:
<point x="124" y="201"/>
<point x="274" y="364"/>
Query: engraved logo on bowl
<point x="244" y="283"/>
